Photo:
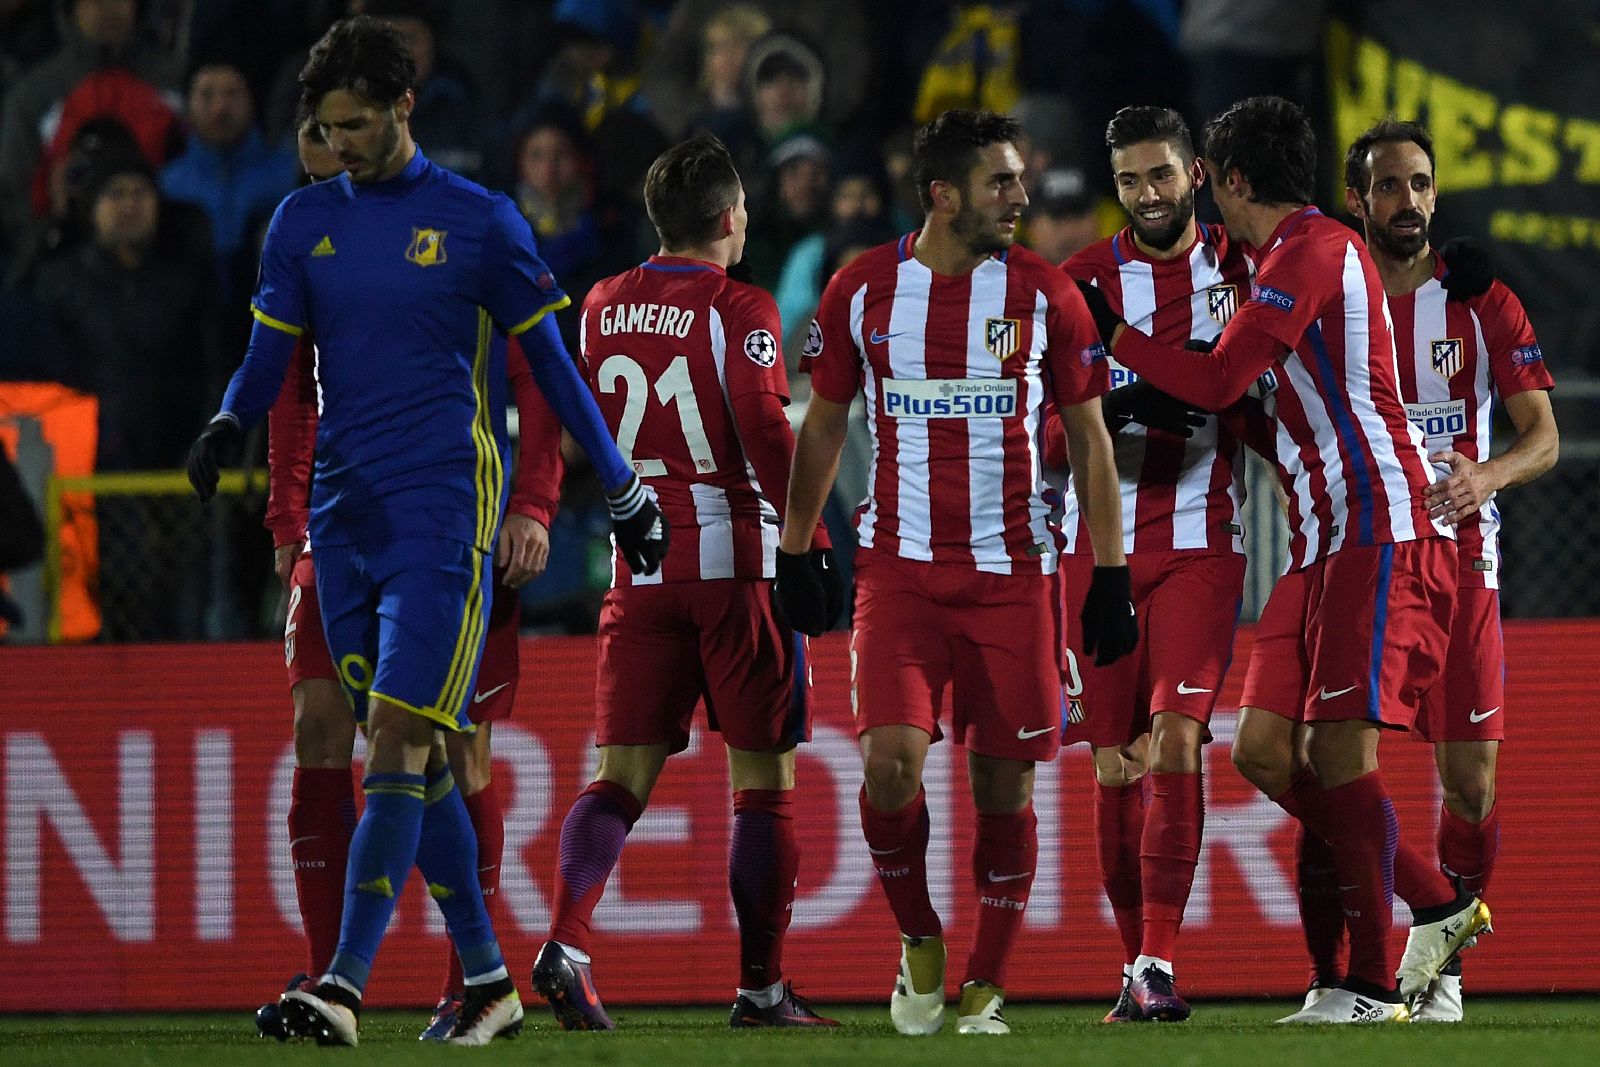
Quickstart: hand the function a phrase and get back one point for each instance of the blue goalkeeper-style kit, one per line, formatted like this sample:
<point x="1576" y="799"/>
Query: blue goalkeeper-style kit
<point x="410" y="287"/>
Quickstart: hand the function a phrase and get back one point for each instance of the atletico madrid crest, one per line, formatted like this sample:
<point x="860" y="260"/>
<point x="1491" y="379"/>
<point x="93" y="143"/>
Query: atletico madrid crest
<point x="1002" y="336"/>
<point x="1222" y="301"/>
<point x="1448" y="356"/>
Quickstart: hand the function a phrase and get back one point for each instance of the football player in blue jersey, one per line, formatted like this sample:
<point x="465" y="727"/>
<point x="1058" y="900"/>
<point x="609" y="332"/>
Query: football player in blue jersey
<point x="411" y="278"/>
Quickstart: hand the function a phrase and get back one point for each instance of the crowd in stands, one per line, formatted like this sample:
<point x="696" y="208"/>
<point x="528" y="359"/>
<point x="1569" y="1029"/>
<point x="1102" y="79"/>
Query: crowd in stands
<point x="145" y="143"/>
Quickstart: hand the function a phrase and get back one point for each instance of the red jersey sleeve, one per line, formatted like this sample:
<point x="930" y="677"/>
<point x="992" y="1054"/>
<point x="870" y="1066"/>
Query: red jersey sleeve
<point x="830" y="355"/>
<point x="291" y="442"/>
<point x="1516" y="363"/>
<point x="758" y="391"/>
<point x="1289" y="292"/>
<point x="536" y="488"/>
<point x="1073" y="355"/>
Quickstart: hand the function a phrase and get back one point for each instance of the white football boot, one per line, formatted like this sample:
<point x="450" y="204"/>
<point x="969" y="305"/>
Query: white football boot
<point x="916" y="1006"/>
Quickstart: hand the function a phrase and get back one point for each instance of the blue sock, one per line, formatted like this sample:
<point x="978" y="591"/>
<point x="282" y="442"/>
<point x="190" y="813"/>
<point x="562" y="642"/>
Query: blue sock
<point x="381" y="854"/>
<point x="447" y="855"/>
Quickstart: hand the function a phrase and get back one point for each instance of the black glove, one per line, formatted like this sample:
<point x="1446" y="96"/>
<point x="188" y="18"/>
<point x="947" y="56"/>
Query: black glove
<point x="808" y="590"/>
<point x="1143" y="403"/>
<point x="1106" y="321"/>
<point x="639" y="527"/>
<point x="1110" y="628"/>
<point x="220" y="434"/>
<point x="1468" y="269"/>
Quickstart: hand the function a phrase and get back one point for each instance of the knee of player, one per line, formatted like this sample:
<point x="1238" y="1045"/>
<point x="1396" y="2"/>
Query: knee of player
<point x="892" y="779"/>
<point x="1267" y="767"/>
<point x="324" y="729"/>
<point x="1472" y="797"/>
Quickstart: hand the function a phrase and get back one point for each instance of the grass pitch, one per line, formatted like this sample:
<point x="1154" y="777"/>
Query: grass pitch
<point x="1516" y="1032"/>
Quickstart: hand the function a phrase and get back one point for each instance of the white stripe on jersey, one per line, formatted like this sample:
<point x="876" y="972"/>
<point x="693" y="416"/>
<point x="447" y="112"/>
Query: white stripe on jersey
<point x="986" y="456"/>
<point x="769" y="514"/>
<point x="712" y="515"/>
<point x="1189" y="512"/>
<point x="908" y="333"/>
<point x="1483" y="399"/>
<point x="1300" y="379"/>
<point x="869" y="386"/>
<point x="1033" y="396"/>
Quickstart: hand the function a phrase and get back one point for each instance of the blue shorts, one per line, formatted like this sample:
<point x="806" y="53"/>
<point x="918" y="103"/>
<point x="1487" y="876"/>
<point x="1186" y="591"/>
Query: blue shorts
<point x="406" y="621"/>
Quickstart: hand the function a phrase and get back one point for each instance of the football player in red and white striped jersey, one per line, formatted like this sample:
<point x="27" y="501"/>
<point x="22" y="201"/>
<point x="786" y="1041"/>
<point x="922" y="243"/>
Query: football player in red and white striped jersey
<point x="1356" y="629"/>
<point x="1457" y="352"/>
<point x="1176" y="279"/>
<point x="958" y="338"/>
<point x="686" y="367"/>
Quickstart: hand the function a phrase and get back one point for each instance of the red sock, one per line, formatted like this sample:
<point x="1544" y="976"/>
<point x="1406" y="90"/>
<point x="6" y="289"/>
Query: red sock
<point x="1118" y="828"/>
<point x="1169" y="851"/>
<point x="763" y="862"/>
<point x="1004" y="857"/>
<point x="898" y="843"/>
<point x="592" y="836"/>
<point x="489" y="823"/>
<point x="322" y="817"/>
<point x="1419" y="883"/>
<point x="1321" y="913"/>
<point x="1365" y="834"/>
<point x="1467" y="850"/>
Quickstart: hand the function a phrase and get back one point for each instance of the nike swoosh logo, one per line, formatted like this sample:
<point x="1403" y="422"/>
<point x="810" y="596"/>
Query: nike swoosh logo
<point x="1184" y="689"/>
<point x="308" y="837"/>
<point x="1023" y="735"/>
<point x="1476" y="717"/>
<point x="1325" y="695"/>
<point x="878" y="338"/>
<point x="479" y="698"/>
<point x="1007" y="877"/>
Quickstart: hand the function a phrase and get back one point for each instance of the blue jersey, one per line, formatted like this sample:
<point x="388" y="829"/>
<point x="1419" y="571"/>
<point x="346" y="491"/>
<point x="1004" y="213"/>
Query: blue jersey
<point x="410" y="287"/>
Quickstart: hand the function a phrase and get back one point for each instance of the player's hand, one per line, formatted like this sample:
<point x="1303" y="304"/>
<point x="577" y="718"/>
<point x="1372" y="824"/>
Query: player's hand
<point x="1110" y="627"/>
<point x="639" y="527"/>
<point x="808" y="590"/>
<point x="1141" y="402"/>
<point x="523" y="550"/>
<point x="1462" y="493"/>
<point x="220" y="434"/>
<point x="283" y="558"/>
<point x="1106" y="321"/>
<point x="1468" y="269"/>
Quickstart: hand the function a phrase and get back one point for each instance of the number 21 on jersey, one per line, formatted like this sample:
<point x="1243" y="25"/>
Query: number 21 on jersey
<point x="674" y="388"/>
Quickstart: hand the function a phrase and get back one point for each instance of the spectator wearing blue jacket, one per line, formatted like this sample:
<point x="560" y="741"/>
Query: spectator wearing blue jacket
<point x="229" y="170"/>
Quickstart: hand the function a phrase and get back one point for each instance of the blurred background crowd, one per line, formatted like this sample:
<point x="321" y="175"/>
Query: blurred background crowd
<point x="145" y="143"/>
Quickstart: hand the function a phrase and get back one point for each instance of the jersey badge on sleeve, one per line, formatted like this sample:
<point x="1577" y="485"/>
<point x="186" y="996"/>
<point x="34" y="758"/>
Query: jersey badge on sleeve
<point x="1448" y="356"/>
<point x="761" y="348"/>
<point x="427" y="247"/>
<point x="813" y="346"/>
<point x="1266" y="294"/>
<point x="1526" y="355"/>
<point x="1222" y="301"/>
<point x="1002" y="337"/>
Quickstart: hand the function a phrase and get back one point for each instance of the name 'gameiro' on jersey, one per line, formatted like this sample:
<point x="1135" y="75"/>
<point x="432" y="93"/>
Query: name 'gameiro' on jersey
<point x="409" y="288"/>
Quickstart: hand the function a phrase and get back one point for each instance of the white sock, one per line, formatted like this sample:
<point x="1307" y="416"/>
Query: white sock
<point x="576" y="955"/>
<point x="763" y="998"/>
<point x="1127" y="972"/>
<point x="1151" y="961"/>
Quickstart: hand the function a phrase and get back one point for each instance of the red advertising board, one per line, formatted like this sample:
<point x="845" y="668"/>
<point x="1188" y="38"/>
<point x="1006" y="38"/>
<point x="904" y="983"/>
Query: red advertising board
<point x="144" y="792"/>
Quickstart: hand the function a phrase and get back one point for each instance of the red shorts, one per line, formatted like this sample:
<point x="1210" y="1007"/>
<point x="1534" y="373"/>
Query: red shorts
<point x="664" y="647"/>
<point x="987" y="645"/>
<point x="1468" y="702"/>
<point x="1188" y="606"/>
<point x="1359" y="634"/>
<point x="305" y="645"/>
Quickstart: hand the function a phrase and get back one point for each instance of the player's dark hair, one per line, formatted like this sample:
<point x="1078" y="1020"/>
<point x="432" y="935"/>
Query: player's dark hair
<point x="1269" y="141"/>
<point x="687" y="189"/>
<point x="1358" y="172"/>
<point x="1138" y="125"/>
<point x="946" y="149"/>
<point x="363" y="55"/>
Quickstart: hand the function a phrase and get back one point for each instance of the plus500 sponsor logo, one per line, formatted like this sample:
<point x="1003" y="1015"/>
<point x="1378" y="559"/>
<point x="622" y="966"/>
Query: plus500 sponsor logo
<point x="949" y="398"/>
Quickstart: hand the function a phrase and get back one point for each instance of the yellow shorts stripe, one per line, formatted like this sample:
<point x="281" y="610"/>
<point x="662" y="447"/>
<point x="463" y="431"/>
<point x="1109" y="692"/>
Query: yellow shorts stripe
<point x="278" y="324"/>
<point x="532" y="320"/>
<point x="434" y="714"/>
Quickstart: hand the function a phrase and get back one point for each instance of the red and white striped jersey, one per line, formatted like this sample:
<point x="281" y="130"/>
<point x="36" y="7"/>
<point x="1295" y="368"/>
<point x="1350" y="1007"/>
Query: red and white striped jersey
<point x="1176" y="493"/>
<point x="1353" y="465"/>
<point x="668" y="348"/>
<point x="956" y="370"/>
<point x="1455" y="358"/>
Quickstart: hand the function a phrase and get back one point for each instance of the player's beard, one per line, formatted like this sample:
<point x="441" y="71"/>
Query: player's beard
<point x="979" y="234"/>
<point x="1398" y="245"/>
<point x="1170" y="232"/>
<point x="383" y="152"/>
